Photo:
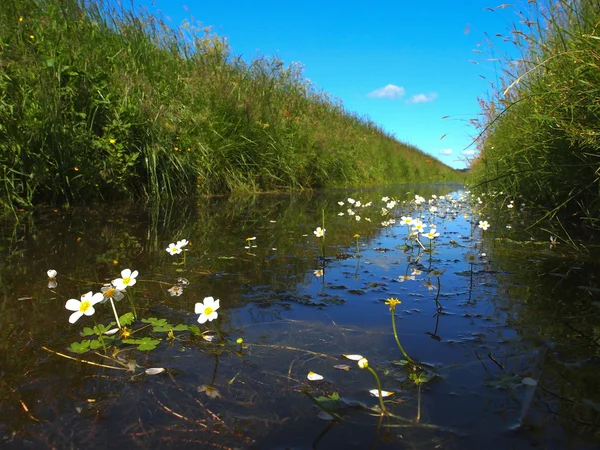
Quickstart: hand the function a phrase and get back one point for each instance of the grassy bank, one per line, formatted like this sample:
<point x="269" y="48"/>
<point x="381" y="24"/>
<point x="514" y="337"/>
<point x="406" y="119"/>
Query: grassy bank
<point x="100" y="103"/>
<point x="541" y="128"/>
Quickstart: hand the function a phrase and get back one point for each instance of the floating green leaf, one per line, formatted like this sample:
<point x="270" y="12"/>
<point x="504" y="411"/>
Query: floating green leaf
<point x="80" y="347"/>
<point x="145" y="343"/>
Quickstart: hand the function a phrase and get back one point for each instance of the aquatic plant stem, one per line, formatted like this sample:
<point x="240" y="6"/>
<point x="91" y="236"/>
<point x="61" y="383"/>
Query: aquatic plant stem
<point x="381" y="404"/>
<point x="418" y="403"/>
<point x="323" y="227"/>
<point x="408" y="358"/>
<point x="130" y="296"/>
<point x="115" y="311"/>
<point x="437" y="297"/>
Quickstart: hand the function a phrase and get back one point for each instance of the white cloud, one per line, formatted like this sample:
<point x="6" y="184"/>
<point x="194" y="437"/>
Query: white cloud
<point x="390" y="91"/>
<point x="446" y="151"/>
<point x="422" y="98"/>
<point x="468" y="152"/>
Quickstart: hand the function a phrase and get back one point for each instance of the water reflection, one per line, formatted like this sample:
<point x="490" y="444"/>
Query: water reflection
<point x="481" y="314"/>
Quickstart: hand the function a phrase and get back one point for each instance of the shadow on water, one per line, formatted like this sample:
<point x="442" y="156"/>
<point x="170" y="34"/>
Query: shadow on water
<point x="503" y="331"/>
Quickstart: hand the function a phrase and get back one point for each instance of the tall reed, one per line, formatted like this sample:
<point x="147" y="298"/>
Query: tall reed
<point x="540" y="128"/>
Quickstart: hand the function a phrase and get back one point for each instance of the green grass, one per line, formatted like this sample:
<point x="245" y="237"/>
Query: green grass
<point x="105" y="103"/>
<point x="541" y="128"/>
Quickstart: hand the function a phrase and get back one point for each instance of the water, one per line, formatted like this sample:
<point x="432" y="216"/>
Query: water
<point x="506" y="342"/>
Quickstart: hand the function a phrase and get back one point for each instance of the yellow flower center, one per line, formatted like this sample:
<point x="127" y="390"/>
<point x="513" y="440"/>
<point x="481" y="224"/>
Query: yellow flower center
<point x="85" y="305"/>
<point x="208" y="310"/>
<point x="110" y="292"/>
<point x="126" y="280"/>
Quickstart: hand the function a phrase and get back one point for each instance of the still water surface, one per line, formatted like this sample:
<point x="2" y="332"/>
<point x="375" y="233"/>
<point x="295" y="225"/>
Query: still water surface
<point x="503" y="327"/>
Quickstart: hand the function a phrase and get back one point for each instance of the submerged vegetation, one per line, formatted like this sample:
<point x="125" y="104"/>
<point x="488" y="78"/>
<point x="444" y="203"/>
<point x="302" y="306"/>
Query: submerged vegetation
<point x="540" y="132"/>
<point x="102" y="102"/>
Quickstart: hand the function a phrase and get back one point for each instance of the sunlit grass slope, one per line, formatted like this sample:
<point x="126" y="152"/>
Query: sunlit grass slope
<point x="98" y="102"/>
<point x="541" y="134"/>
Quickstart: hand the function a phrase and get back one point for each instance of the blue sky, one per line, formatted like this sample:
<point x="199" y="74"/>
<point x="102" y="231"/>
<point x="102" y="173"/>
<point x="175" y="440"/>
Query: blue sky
<point x="403" y="64"/>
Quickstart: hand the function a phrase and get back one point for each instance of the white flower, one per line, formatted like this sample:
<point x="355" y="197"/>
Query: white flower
<point x="385" y="199"/>
<point x="175" y="291"/>
<point x="182" y="243"/>
<point x="341" y="203"/>
<point x="52" y="273"/>
<point x="83" y="306"/>
<point x="319" y="232"/>
<point x="109" y="291"/>
<point x="351" y="200"/>
<point x="207" y="309"/>
<point x="127" y="279"/>
<point x="418" y="226"/>
<point x="318" y="273"/>
<point x="483" y="224"/>
<point x="404" y="220"/>
<point x="432" y="234"/>
<point x="403" y="278"/>
<point x="173" y="249"/>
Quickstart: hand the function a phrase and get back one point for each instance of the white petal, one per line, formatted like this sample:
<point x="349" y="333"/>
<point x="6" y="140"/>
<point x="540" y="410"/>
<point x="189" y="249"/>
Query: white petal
<point x="324" y="416"/>
<point x="209" y="336"/>
<point x="75" y="316"/>
<point x="375" y="393"/>
<point x="527" y="381"/>
<point x="111" y="332"/>
<point x="96" y="298"/>
<point x="126" y="273"/>
<point x="203" y="318"/>
<point x="134" y="274"/>
<point x="90" y="311"/>
<point x="314" y="376"/>
<point x="353" y="357"/>
<point x="208" y="302"/>
<point x="212" y="316"/>
<point x="199" y="308"/>
<point x="154" y="370"/>
<point x="73" y="305"/>
<point x="87" y="297"/>
<point x="52" y="273"/>
<point x="216" y="305"/>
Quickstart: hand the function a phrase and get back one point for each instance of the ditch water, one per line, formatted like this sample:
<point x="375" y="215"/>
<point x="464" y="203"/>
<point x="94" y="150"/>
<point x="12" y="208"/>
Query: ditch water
<point x="502" y="326"/>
